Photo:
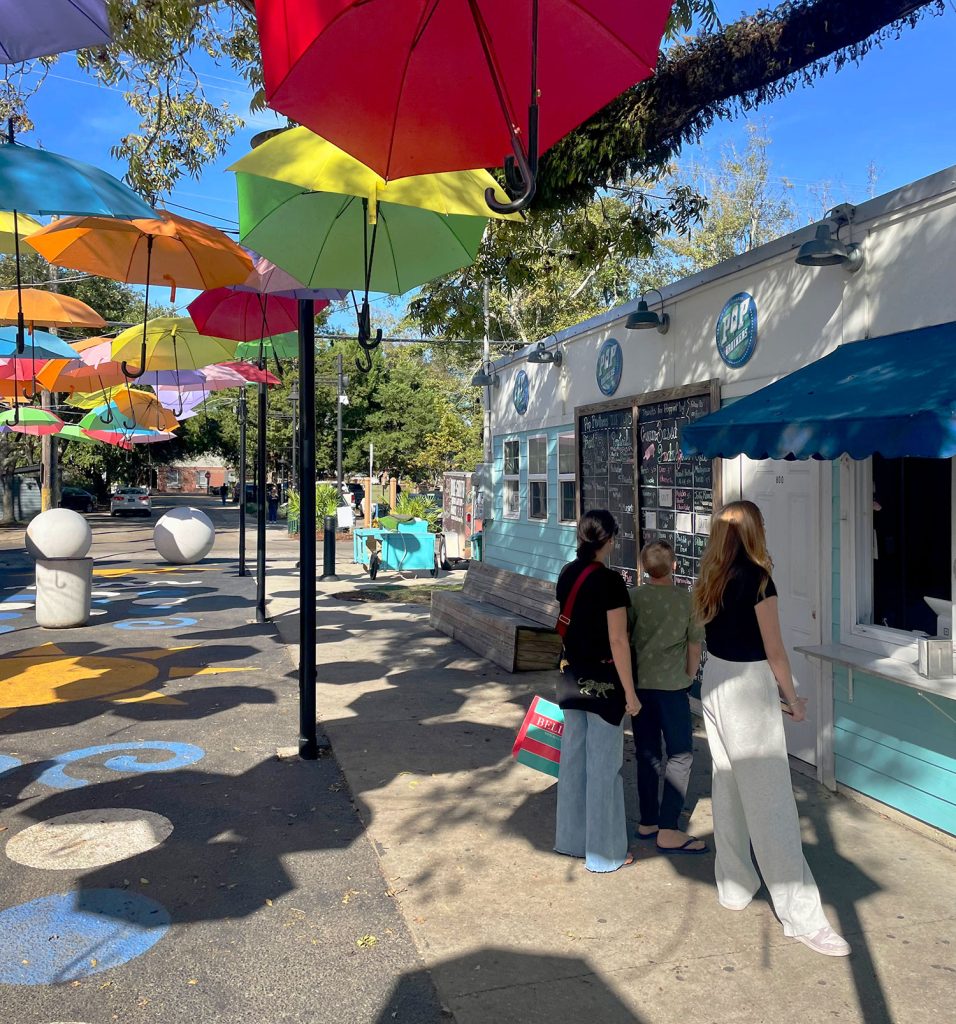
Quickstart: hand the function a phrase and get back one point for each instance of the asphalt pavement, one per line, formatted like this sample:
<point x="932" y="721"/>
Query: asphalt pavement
<point x="161" y="862"/>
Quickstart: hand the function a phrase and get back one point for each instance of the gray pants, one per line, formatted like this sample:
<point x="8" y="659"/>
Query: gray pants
<point x="753" y="796"/>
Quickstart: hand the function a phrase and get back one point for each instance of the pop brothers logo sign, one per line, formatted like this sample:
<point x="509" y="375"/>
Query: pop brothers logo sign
<point x="737" y="329"/>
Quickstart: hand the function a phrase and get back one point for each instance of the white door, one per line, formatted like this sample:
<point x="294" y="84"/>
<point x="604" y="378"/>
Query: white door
<point x="787" y="495"/>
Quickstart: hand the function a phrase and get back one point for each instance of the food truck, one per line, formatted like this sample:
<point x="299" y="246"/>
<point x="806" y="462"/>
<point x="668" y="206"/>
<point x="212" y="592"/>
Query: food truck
<point x="815" y="376"/>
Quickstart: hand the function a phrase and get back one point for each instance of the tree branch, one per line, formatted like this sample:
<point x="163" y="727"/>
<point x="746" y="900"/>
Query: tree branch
<point x="745" y="64"/>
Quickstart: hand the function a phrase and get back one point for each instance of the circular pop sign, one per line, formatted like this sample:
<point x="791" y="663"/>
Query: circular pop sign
<point x="737" y="329"/>
<point x="610" y="364"/>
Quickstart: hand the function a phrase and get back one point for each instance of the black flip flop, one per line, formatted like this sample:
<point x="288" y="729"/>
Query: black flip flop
<point x="684" y="848"/>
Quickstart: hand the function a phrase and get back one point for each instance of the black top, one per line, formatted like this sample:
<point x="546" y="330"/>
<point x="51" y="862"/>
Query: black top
<point x="734" y="634"/>
<point x="587" y="645"/>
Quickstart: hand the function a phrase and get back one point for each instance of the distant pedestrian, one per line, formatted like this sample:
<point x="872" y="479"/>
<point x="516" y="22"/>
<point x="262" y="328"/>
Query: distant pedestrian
<point x="595" y="691"/>
<point x="666" y="638"/>
<point x="272" y="498"/>
<point x="746" y="686"/>
<point x="223" y="493"/>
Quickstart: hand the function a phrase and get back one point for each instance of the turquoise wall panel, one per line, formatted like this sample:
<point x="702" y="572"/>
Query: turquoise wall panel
<point x="535" y="547"/>
<point x="892" y="743"/>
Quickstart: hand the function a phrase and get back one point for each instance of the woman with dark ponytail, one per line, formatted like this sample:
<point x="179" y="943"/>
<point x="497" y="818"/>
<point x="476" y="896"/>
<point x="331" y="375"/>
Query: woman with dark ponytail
<point x="595" y="691"/>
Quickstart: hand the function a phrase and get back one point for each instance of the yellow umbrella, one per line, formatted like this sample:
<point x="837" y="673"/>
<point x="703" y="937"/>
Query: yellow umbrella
<point x="170" y="343"/>
<point x="25" y="226"/>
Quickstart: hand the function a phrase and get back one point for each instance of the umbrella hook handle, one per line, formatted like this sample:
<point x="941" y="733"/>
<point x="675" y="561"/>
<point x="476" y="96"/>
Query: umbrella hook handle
<point x="520" y="171"/>
<point x="135" y="374"/>
<point x="365" y="338"/>
<point x="108" y="418"/>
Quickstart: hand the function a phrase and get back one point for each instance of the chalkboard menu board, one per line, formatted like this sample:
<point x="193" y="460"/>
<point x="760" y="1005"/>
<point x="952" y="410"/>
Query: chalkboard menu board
<point x="606" y="477"/>
<point x="676" y="493"/>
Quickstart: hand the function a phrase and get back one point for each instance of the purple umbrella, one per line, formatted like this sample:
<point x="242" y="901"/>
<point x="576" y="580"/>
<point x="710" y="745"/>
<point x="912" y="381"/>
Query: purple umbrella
<point x="182" y="405"/>
<point x="54" y="26"/>
<point x="268" y="279"/>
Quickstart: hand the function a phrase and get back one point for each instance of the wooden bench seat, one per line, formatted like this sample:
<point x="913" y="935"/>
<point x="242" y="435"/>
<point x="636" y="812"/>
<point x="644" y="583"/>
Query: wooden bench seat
<point x="504" y="616"/>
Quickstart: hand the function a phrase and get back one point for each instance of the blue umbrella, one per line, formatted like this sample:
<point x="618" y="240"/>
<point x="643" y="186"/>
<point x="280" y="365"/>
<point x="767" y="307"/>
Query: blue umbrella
<point x="44" y="345"/>
<point x="38" y="30"/>
<point x="37" y="181"/>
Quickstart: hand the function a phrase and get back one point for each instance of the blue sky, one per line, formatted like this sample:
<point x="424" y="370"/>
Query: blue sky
<point x="895" y="110"/>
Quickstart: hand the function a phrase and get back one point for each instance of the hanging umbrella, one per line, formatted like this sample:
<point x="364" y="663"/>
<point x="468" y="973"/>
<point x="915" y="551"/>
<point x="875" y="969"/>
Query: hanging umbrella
<point x="94" y="351"/>
<point x="186" y="405"/>
<point x="171" y="343"/>
<point x="138" y="408"/>
<point x="25" y="226"/>
<point x="107" y="424"/>
<point x="252" y="373"/>
<point x="54" y="26"/>
<point x="268" y="279"/>
<point x="31" y="421"/>
<point x="45" y="346"/>
<point x="64" y="376"/>
<point x="46" y="309"/>
<point x="74" y="432"/>
<point x="243" y="315"/>
<point x="282" y="346"/>
<point x="210" y="378"/>
<point x="159" y="249"/>
<point x="449" y="81"/>
<point x="331" y="221"/>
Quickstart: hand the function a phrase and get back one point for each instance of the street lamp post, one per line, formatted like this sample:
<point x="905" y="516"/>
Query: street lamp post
<point x="294" y="402"/>
<point x="241" y="412"/>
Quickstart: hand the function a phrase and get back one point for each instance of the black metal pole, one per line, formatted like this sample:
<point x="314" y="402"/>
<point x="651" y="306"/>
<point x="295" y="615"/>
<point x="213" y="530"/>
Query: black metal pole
<point x="261" y="508"/>
<point x="308" y="740"/>
<point x="328" y="549"/>
<point x="242" y="481"/>
<point x="340" y="388"/>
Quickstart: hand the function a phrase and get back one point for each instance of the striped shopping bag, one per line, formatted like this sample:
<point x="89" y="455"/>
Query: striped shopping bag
<point x="538" y="744"/>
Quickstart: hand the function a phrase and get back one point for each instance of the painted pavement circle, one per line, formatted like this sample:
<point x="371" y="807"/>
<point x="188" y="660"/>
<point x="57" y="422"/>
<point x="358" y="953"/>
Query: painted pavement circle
<point x="88" y="839"/>
<point x="74" y="935"/>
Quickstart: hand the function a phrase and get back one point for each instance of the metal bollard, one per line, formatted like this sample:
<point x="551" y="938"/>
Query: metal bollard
<point x="328" y="549"/>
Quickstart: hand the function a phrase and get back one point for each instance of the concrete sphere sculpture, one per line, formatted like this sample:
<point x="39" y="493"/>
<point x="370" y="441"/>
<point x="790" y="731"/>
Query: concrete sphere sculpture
<point x="58" y="533"/>
<point x="184" y="535"/>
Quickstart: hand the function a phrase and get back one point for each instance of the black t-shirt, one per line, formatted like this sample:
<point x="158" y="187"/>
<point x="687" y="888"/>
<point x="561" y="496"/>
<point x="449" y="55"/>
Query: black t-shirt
<point x="587" y="645"/>
<point x="734" y="634"/>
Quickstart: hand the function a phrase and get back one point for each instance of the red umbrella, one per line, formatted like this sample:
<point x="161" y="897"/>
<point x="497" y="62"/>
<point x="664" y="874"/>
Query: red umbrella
<point x="251" y="373"/>
<point x="244" y="316"/>
<point x="453" y="84"/>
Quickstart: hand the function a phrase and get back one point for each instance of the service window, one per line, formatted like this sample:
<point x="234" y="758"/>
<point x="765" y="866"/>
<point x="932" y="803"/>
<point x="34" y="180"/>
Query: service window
<point x="567" y="486"/>
<point x="511" y="489"/>
<point x="538" y="477"/>
<point x="903" y="520"/>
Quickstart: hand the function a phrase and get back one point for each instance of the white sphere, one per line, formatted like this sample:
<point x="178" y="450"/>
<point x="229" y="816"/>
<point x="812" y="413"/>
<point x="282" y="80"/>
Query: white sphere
<point x="184" y="536"/>
<point x="59" y="533"/>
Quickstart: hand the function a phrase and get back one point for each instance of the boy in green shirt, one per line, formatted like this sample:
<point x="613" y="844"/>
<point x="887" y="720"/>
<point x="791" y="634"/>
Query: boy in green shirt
<point x="667" y="640"/>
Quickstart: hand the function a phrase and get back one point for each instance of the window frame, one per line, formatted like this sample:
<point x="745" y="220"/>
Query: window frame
<point x="538" y="479"/>
<point x="510" y="479"/>
<point x="856" y="556"/>
<point x="568" y="478"/>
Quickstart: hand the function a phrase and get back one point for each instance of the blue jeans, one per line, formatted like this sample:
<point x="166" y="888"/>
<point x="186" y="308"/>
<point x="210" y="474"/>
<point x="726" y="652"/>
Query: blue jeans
<point x="665" y="714"/>
<point x="591" y="822"/>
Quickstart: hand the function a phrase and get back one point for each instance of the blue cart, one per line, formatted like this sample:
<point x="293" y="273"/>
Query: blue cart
<point x="408" y="548"/>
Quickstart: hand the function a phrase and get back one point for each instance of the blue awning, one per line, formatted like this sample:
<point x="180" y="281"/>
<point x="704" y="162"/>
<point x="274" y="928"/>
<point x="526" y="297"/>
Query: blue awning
<point x="894" y="395"/>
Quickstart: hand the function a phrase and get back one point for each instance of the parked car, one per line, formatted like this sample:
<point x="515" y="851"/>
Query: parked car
<point x="130" y="501"/>
<point x="77" y="499"/>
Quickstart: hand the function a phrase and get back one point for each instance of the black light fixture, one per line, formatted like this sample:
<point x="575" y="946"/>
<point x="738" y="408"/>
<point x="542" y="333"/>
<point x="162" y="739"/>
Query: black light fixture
<point x="486" y="378"/>
<point x="644" y="319"/>
<point x="826" y="250"/>
<point x="541" y="354"/>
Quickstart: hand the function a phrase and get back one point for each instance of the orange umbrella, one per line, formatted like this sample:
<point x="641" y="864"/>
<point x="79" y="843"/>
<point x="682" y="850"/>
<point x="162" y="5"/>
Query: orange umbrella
<point x="167" y="249"/>
<point x="47" y="309"/>
<point x="66" y="376"/>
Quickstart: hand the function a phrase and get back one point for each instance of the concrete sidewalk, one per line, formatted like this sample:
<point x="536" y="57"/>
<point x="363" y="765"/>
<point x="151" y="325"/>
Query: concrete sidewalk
<point x="512" y="932"/>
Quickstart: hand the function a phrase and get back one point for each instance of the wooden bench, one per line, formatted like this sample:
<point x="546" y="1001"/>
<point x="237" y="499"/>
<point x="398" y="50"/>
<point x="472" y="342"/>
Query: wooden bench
<point x="504" y="616"/>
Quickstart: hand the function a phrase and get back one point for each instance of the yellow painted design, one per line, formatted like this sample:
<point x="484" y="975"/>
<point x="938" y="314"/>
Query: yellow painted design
<point x="50" y="675"/>
<point x="159" y="570"/>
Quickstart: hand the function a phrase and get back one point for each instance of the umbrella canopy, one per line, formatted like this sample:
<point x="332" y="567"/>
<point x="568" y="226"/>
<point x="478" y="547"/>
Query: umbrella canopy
<point x="29" y="420"/>
<point x="108" y="424"/>
<point x="74" y="432"/>
<point x="252" y="373"/>
<point x="245" y="316"/>
<point x="141" y="407"/>
<point x="268" y="279"/>
<point x="452" y="84"/>
<point x="43" y="346"/>
<point x="46" y="309"/>
<point x="282" y="346"/>
<point x="60" y="375"/>
<point x="171" y="343"/>
<point x="41" y="182"/>
<point x="208" y="379"/>
<point x="186" y="405"/>
<point x="55" y="26"/>
<point x="331" y="221"/>
<point x="25" y="226"/>
<point x="159" y="249"/>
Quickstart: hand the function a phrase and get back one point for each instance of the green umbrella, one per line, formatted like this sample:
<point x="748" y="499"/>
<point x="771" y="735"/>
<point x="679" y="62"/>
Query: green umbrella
<point x="74" y="432"/>
<point x="281" y="346"/>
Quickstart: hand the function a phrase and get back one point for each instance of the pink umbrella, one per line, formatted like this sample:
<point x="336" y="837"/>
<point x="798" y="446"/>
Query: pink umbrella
<point x="244" y="316"/>
<point x="249" y="372"/>
<point x="268" y="279"/>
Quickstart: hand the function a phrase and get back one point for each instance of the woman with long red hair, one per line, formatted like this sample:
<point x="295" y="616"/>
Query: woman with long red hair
<point x="747" y="682"/>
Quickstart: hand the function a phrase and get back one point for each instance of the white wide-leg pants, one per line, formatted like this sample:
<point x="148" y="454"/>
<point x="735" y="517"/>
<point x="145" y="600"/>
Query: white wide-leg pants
<point x="752" y="794"/>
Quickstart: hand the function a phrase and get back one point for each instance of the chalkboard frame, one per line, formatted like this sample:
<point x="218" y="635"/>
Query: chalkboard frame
<point x="707" y="388"/>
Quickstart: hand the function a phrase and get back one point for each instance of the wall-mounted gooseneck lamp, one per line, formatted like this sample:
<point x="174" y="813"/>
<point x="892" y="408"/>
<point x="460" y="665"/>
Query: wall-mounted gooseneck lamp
<point x="486" y="378"/>
<point x="644" y="319"/>
<point x="541" y="354"/>
<point x="826" y="250"/>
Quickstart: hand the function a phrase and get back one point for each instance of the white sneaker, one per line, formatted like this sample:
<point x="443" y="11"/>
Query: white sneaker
<point x="825" y="941"/>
